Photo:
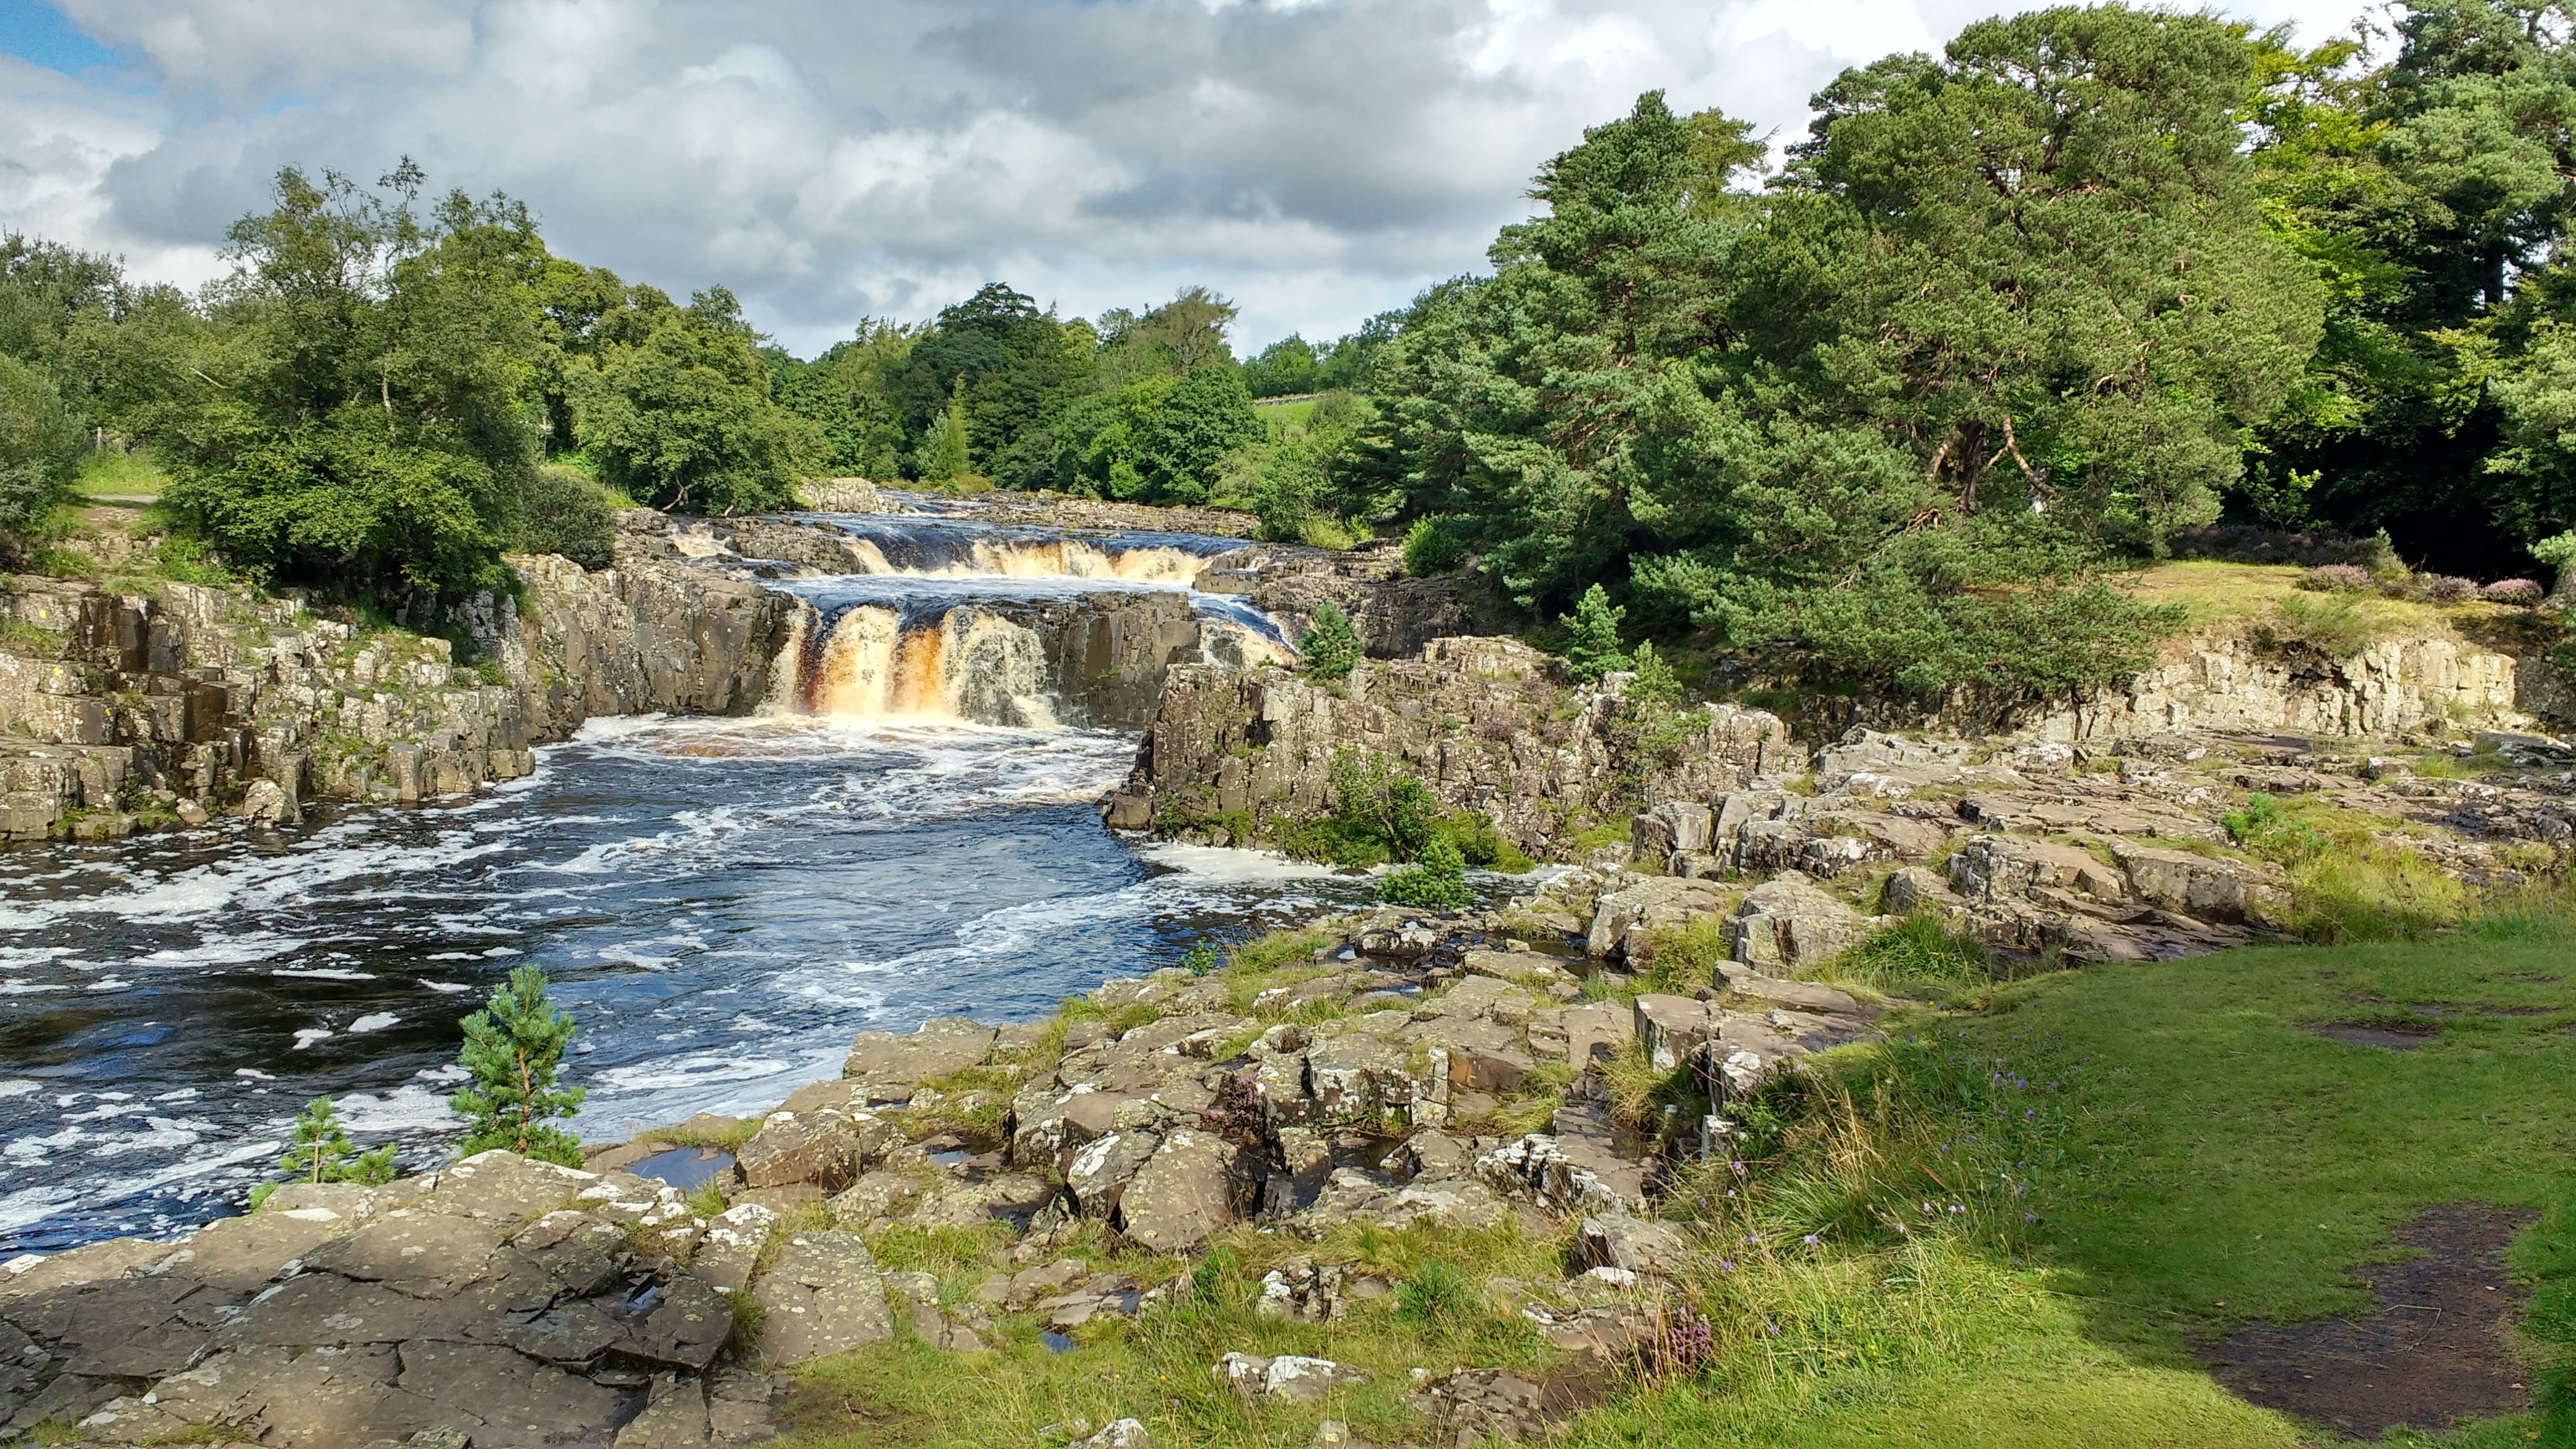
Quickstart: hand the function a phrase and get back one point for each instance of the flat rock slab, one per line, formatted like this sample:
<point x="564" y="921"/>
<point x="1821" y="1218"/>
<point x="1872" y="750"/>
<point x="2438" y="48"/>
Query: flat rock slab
<point x="942" y="1046"/>
<point x="823" y="1296"/>
<point x="504" y="1186"/>
<point x="426" y="1255"/>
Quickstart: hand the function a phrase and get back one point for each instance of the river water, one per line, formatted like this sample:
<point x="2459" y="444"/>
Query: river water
<point x="721" y="903"/>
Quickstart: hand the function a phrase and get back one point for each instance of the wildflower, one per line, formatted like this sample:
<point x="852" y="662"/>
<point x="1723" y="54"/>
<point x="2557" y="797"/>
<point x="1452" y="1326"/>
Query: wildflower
<point x="1809" y="1240"/>
<point x="1728" y="1264"/>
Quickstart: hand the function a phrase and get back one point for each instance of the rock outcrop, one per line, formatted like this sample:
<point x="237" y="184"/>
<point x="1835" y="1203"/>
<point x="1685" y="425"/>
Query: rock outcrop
<point x="127" y="709"/>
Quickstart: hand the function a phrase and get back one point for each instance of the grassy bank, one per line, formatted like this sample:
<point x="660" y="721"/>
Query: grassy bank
<point x="2011" y="1224"/>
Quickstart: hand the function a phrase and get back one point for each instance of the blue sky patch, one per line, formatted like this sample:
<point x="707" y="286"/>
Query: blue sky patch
<point x="41" y="35"/>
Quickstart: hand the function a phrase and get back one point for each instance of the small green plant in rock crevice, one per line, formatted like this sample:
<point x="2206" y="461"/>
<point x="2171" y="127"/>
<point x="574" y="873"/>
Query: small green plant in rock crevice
<point x="1592" y="646"/>
<point x="513" y="1048"/>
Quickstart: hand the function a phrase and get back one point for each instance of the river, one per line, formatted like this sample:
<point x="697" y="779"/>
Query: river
<point x="721" y="904"/>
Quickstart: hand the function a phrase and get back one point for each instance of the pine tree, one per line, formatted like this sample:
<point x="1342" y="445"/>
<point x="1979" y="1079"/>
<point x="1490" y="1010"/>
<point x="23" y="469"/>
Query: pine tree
<point x="1655" y="682"/>
<point x="1437" y="881"/>
<point x="320" y="1151"/>
<point x="513" y="1048"/>
<point x="1330" y="646"/>
<point x="1593" y="648"/>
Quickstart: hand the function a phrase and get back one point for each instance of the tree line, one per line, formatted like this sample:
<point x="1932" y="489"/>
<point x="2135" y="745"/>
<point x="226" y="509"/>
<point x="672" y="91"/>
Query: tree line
<point x="2005" y="320"/>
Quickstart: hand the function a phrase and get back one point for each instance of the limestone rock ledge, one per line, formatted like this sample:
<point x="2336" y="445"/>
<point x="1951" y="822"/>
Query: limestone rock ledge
<point x="124" y="709"/>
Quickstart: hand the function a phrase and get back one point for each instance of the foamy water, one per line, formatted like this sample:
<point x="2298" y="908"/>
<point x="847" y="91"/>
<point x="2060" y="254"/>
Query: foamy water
<point x="722" y="904"/>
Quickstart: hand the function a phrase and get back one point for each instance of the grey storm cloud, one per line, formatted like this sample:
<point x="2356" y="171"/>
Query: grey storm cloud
<point x="1318" y="160"/>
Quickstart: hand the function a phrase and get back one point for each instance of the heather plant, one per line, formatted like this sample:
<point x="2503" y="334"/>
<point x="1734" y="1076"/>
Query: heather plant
<point x="2338" y="579"/>
<point x="2514" y="591"/>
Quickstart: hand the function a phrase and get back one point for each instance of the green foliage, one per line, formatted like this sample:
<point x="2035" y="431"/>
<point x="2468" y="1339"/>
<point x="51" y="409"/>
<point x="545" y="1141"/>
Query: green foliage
<point x="1379" y="814"/>
<point x="683" y="419"/>
<point x="1205" y="955"/>
<point x="40" y="446"/>
<point x="1592" y="630"/>
<point x="1290" y="482"/>
<point x="1655" y="682"/>
<point x="1436" y="881"/>
<point x="948" y="450"/>
<point x="1436" y="1296"/>
<point x="2336" y="626"/>
<point x="1329" y="647"/>
<point x="2003" y="318"/>
<point x="322" y="1152"/>
<point x="513" y="1049"/>
<point x="2546" y="1257"/>
<point x="565" y="511"/>
<point x="1921" y="956"/>
<point x="2264" y="829"/>
<point x="1430" y="550"/>
<point x="846" y="394"/>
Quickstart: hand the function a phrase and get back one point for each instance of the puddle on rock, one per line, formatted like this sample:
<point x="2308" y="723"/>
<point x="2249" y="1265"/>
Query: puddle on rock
<point x="685" y="1168"/>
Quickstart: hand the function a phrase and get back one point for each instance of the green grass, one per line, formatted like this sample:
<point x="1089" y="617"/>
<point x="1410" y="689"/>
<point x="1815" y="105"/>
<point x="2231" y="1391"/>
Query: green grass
<point x="1285" y="414"/>
<point x="2002" y="1227"/>
<point x="108" y="474"/>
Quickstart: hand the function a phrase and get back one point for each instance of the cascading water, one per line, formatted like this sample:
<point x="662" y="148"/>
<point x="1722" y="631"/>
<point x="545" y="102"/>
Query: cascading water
<point x="971" y="667"/>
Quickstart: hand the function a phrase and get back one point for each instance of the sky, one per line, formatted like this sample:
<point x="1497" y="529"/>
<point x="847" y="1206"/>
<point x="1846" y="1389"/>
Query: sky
<point x="1317" y="161"/>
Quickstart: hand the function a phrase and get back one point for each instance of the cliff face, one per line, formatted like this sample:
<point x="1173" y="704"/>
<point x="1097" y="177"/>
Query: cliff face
<point x="118" y="710"/>
<point x="1481" y="721"/>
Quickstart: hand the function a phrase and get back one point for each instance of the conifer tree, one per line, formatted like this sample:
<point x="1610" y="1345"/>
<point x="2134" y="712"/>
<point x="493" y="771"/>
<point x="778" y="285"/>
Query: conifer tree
<point x="513" y="1048"/>
<point x="1655" y="682"/>
<point x="320" y="1151"/>
<point x="949" y="458"/>
<point x="1436" y="881"/>
<point x="1330" y="646"/>
<point x="1593" y="648"/>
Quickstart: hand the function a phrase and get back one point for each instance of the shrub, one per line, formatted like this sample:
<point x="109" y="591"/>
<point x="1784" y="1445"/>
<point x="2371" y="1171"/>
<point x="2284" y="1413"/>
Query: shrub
<point x="320" y="1151"/>
<point x="39" y="446"/>
<point x="1379" y="814"/>
<point x="2338" y="579"/>
<point x="1435" y="882"/>
<point x="2337" y="627"/>
<point x="1329" y="649"/>
<point x="513" y="1048"/>
<point x="1430" y="549"/>
<point x="1592" y="647"/>
<point x="2513" y="591"/>
<point x="566" y="512"/>
<point x="2450" y="589"/>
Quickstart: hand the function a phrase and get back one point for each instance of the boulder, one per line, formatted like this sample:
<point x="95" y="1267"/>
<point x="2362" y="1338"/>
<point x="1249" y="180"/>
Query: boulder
<point x="823" y="1296"/>
<point x="1671" y="1025"/>
<point x="1289" y="1376"/>
<point x="1788" y="921"/>
<point x="1624" y="920"/>
<point x="1099" y="1173"/>
<point x="940" y="1047"/>
<point x="826" y="1148"/>
<point x="1478" y="1406"/>
<point x="2197" y="885"/>
<point x="1194" y="1184"/>
<point x="1360" y="1078"/>
<point x="731" y="1245"/>
<point x="2004" y="867"/>
<point x="1634" y="1245"/>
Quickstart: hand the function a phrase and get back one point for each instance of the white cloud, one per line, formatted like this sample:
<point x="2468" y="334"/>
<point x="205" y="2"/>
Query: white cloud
<point x="1319" y="160"/>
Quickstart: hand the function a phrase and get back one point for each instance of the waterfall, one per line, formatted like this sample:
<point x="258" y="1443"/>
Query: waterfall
<point x="942" y="557"/>
<point x="971" y="666"/>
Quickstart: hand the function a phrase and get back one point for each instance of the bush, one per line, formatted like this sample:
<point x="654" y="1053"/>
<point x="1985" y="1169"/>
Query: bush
<point x="1329" y="649"/>
<point x="1655" y="682"/>
<point x="566" y="512"/>
<point x="513" y="1048"/>
<point x="1379" y="814"/>
<point x="1430" y="549"/>
<point x="2265" y="830"/>
<point x="2338" y="579"/>
<point x="2450" y="589"/>
<point x="2337" y="626"/>
<point x="1435" y="882"/>
<point x="2514" y="591"/>
<point x="39" y="447"/>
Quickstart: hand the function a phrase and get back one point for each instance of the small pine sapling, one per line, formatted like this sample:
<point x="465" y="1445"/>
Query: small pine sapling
<point x="1655" y="682"/>
<point x="1592" y="646"/>
<point x="319" y="1151"/>
<point x="513" y="1048"/>
<point x="1330" y="647"/>
<point x="1437" y="881"/>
